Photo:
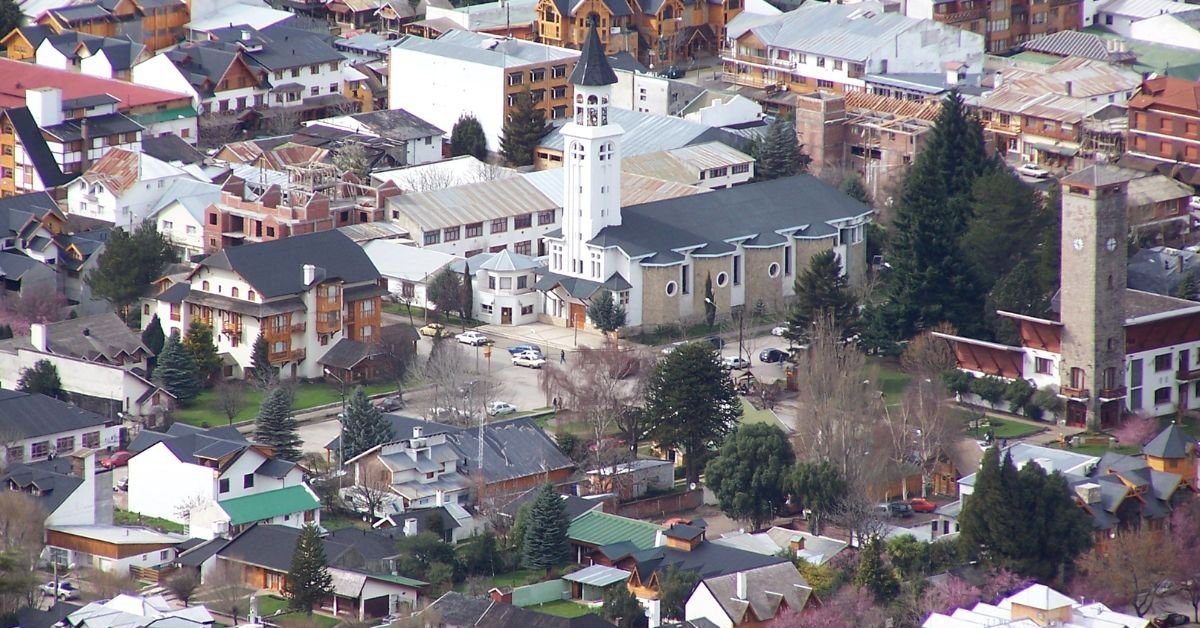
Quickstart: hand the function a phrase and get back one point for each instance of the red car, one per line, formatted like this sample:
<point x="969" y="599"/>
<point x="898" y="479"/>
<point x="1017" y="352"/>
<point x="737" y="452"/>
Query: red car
<point x="922" y="505"/>
<point x="118" y="459"/>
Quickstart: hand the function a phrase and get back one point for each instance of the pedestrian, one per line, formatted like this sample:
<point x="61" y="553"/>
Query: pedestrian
<point x="562" y="356"/>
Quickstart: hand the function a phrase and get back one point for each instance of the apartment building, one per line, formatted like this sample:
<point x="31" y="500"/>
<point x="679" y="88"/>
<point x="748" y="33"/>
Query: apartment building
<point x="463" y="72"/>
<point x="1005" y="24"/>
<point x="305" y="294"/>
<point x="1164" y="120"/>
<point x="105" y="57"/>
<point x="155" y="24"/>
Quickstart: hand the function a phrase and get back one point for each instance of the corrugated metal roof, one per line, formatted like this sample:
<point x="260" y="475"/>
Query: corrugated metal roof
<point x="598" y="575"/>
<point x="647" y="132"/>
<point x="844" y="31"/>
<point x="476" y="202"/>
<point x="599" y="528"/>
<point x="683" y="164"/>
<point x="486" y="49"/>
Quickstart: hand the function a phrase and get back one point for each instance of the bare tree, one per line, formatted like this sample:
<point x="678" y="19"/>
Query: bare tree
<point x="232" y="397"/>
<point x="226" y="591"/>
<point x="929" y="356"/>
<point x="22" y="526"/>
<point x="372" y="489"/>
<point x="448" y="370"/>
<point x="188" y="505"/>
<point x="108" y="584"/>
<point x="183" y="584"/>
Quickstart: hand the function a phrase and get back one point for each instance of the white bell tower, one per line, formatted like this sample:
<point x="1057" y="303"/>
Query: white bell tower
<point x="592" y="158"/>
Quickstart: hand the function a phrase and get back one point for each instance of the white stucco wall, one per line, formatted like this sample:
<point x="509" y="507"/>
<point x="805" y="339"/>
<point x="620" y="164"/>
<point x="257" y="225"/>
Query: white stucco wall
<point x="159" y="483"/>
<point x="703" y="605"/>
<point x="1166" y="30"/>
<point x="439" y="90"/>
<point x="184" y="232"/>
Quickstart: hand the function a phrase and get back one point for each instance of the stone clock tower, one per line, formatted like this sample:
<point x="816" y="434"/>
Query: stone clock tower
<point x="1092" y="371"/>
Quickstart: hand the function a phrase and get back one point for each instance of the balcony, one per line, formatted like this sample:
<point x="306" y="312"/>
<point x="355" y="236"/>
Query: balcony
<point x="1187" y="375"/>
<point x="298" y="328"/>
<point x="1074" y="393"/>
<point x="231" y="328"/>
<point x="279" y="357"/>
<point x="1116" y="392"/>
<point x="783" y="63"/>
<point x="297" y="355"/>
<point x="962" y="16"/>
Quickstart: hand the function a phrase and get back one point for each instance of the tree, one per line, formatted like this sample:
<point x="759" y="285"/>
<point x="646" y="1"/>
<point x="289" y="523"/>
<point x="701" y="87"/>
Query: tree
<point x="22" y="529"/>
<point x="1006" y="225"/>
<point x="927" y="356"/>
<point x="263" y="374"/>
<point x="605" y="313"/>
<point x="17" y="584"/>
<point x="352" y="157"/>
<point x="851" y="607"/>
<point x="780" y="155"/>
<point x="308" y="578"/>
<point x="176" y="372"/>
<point x="545" y="543"/>
<point x="853" y="187"/>
<point x="749" y="473"/>
<point x="928" y="282"/>
<point x="1136" y="430"/>
<point x="41" y="378"/>
<point x="275" y="426"/>
<point x="199" y="343"/>
<point x="445" y="291"/>
<point x="1019" y="292"/>
<point x="467" y="138"/>
<point x="418" y="555"/>
<point x="622" y="608"/>
<point x="466" y="300"/>
<point x="363" y="427"/>
<point x="128" y="264"/>
<point x="873" y="574"/>
<point x="153" y="337"/>
<point x="1129" y="571"/>
<point x="949" y="594"/>
<point x="372" y="488"/>
<point x="691" y="404"/>
<point x="524" y="127"/>
<point x="183" y="584"/>
<point x="909" y="556"/>
<point x="710" y="302"/>
<point x="225" y="592"/>
<point x="10" y="16"/>
<point x="481" y="555"/>
<point x="674" y="588"/>
<point x="822" y="291"/>
<point x="1185" y="541"/>
<point x="232" y="398"/>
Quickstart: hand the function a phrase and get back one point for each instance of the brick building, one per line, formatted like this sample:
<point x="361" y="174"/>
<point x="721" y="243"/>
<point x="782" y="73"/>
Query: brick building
<point x="1005" y="24"/>
<point x="1164" y="120"/>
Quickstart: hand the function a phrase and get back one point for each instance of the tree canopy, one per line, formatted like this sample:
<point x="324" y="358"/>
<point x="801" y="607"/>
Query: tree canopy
<point x="524" y="127"/>
<point x="308" y="579"/>
<point x="445" y="291"/>
<point x="364" y="426"/>
<point x="780" y="154"/>
<point x="822" y="292"/>
<point x="42" y="378"/>
<point x="129" y="263"/>
<point x="605" y="313"/>
<point x="262" y="373"/>
<point x="203" y="349"/>
<point x="818" y="487"/>
<point x="275" y="426"/>
<point x="176" y="371"/>
<point x="467" y="138"/>
<point x="153" y="336"/>
<point x="545" y="543"/>
<point x="749" y="473"/>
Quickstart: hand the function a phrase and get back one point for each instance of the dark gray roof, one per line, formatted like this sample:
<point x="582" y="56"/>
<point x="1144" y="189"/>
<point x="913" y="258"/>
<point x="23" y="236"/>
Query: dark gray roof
<point x="347" y="354"/>
<point x="402" y="428"/>
<point x="81" y="12"/>
<point x="101" y="336"/>
<point x="1098" y="175"/>
<point x="272" y="546"/>
<point x="197" y="554"/>
<point x="176" y="293"/>
<point x="189" y="444"/>
<point x="592" y="68"/>
<point x="625" y="61"/>
<point x="684" y="532"/>
<point x="89" y="102"/>
<point x="24" y="415"/>
<point x="619" y="8"/>
<point x="98" y="126"/>
<point x="34" y="618"/>
<point x="275" y="468"/>
<point x="396" y="124"/>
<point x="1170" y="443"/>
<point x="202" y="64"/>
<point x="581" y="288"/>
<point x="171" y="148"/>
<point x="515" y="448"/>
<point x="50" y="480"/>
<point x="276" y="268"/>
<point x="706" y="560"/>
<point x="36" y="149"/>
<point x="36" y="34"/>
<point x="13" y="266"/>
<point x="458" y="609"/>
<point x="286" y="47"/>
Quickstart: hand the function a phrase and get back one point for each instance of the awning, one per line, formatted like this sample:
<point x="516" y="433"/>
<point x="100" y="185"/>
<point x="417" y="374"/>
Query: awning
<point x="1065" y="151"/>
<point x="598" y="576"/>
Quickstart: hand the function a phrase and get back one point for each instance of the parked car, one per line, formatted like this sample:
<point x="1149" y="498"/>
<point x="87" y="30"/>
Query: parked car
<point x="920" y="504"/>
<point x="472" y="338"/>
<point x="391" y="403"/>
<point x="1169" y="620"/>
<point x="673" y="72"/>
<point x="448" y="414"/>
<point x="434" y="330"/>
<point x="899" y="509"/>
<point x="500" y="408"/>
<point x="1033" y="171"/>
<point x="717" y="342"/>
<point x="122" y="485"/>
<point x="522" y="348"/>
<point x="771" y="355"/>
<point x="64" y="591"/>
<point x="779" y="330"/>
<point x="116" y="459"/>
<point x="735" y="363"/>
<point x="529" y="359"/>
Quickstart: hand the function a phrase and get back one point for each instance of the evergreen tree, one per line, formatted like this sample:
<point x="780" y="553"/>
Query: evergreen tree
<point x="466" y="303"/>
<point x="819" y="487"/>
<point x="308" y="579"/>
<point x="176" y="372"/>
<point x="364" y="426"/>
<point x="691" y="404"/>
<point x="605" y="313"/>
<point x="153" y="336"/>
<point x="710" y="302"/>
<point x="42" y="379"/>
<point x="445" y="291"/>
<point x="622" y="608"/>
<point x="275" y="426"/>
<point x="545" y="543"/>
<point x="822" y="292"/>
<point x="779" y="154"/>
<point x="1006" y="226"/>
<point x="1050" y="242"/>
<point x="1019" y="292"/>
<point x="749" y="473"/>
<point x="675" y="586"/>
<point x="929" y="283"/>
<point x="524" y="127"/>
<point x="467" y="138"/>
<point x="199" y="343"/>
<point x="875" y="576"/>
<point x="10" y="16"/>
<point x="262" y="373"/>
<point x="129" y="263"/>
<point x="853" y="187"/>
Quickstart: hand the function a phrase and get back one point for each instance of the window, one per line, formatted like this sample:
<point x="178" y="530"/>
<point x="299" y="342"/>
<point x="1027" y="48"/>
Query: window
<point x="537" y="75"/>
<point x="314" y="91"/>
<point x="506" y="283"/>
<point x="684" y="276"/>
<point x="820" y="62"/>
<point x="1135" y="399"/>
<point x="526" y="310"/>
<point x="15" y="454"/>
<point x="65" y="444"/>
<point x="558" y="92"/>
<point x="787" y="260"/>
<point x="233" y="292"/>
<point x="546" y="217"/>
<point x="270" y="232"/>
<point x="558" y="71"/>
<point x="175" y="311"/>
<point x="486" y="308"/>
<point x="773" y="270"/>
<point x="474" y="230"/>
<point x="523" y="221"/>
<point x="1135" y="373"/>
<point x="164" y="555"/>
<point x="248" y="480"/>
<point x="737" y="270"/>
<point x="523" y="248"/>
<point x="433" y="237"/>
<point x="740" y="168"/>
<point x="91" y="440"/>
<point x="1162" y="396"/>
<point x="1043" y="365"/>
<point x="824" y="84"/>
<point x="722" y="279"/>
<point x="514" y="78"/>
<point x="223" y="486"/>
<point x="204" y="285"/>
<point x="250" y="295"/>
<point x="500" y="225"/>
<point x="837" y="64"/>
<point x="212" y="218"/>
<point x="190" y="230"/>
<point x="295" y="72"/>
<point x="450" y="234"/>
<point x="408" y="290"/>
<point x="168" y="225"/>
<point x="670" y="288"/>
<point x="491" y="282"/>
<point x="1162" y="362"/>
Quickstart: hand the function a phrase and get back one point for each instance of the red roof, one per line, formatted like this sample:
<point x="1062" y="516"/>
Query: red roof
<point x="18" y="76"/>
<point x="1168" y="91"/>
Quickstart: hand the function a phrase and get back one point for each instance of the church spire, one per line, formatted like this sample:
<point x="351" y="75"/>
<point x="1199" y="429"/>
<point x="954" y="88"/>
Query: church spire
<point x="592" y="68"/>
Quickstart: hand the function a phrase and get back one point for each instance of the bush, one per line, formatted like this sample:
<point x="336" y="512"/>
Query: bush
<point x="990" y="389"/>
<point x="1047" y="400"/>
<point x="1018" y="393"/>
<point x="668" y="331"/>
<point x="957" y="382"/>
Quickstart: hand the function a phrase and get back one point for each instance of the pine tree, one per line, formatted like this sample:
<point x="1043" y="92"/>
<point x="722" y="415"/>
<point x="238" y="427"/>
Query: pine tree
<point x="524" y="127"/>
<point x="822" y="291"/>
<point x="199" y="343"/>
<point x="275" y="426"/>
<point x="308" y="579"/>
<point x="262" y="372"/>
<point x="873" y="575"/>
<point x="622" y="608"/>
<point x="153" y="336"/>
<point x="176" y="372"/>
<point x="545" y="544"/>
<point x="1019" y="292"/>
<point x="1050" y="242"/>
<point x="605" y="313"/>
<point x="364" y="426"/>
<point x="444" y="291"/>
<point x="853" y="187"/>
<point x="467" y="138"/>
<point x="10" y="16"/>
<point x="466" y="302"/>
<point x="129" y="263"/>
<point x="42" y="379"/>
<point x="780" y="155"/>
<point x="1007" y="223"/>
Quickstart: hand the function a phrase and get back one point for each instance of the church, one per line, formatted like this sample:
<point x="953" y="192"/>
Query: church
<point x="656" y="257"/>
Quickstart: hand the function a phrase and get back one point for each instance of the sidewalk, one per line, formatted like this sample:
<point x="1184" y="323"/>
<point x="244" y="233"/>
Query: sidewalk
<point x="545" y="335"/>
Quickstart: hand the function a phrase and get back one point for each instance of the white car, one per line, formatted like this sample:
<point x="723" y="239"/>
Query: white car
<point x="1033" y="171"/>
<point x="529" y="359"/>
<point x="735" y="363"/>
<point x="65" y="590"/>
<point x="779" y="331"/>
<point x="473" y="338"/>
<point x="500" y="408"/>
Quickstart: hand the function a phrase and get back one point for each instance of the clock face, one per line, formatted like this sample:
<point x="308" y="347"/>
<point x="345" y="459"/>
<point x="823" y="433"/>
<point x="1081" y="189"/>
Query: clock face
<point x="1111" y="244"/>
<point x="1078" y="244"/>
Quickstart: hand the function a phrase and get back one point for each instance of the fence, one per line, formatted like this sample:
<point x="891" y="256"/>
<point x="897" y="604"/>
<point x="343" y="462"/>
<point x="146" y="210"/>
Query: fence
<point x="540" y="593"/>
<point x="662" y="505"/>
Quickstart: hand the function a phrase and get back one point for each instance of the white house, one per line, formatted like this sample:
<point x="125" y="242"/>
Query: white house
<point x="1170" y="29"/>
<point x="647" y="92"/>
<point x="408" y="269"/>
<point x="215" y="481"/>
<point x="110" y="548"/>
<point x="724" y="110"/>
<point x="36" y="427"/>
<point x="1120" y="16"/>
<point x="749" y="597"/>
<point x="503" y="284"/>
<point x="122" y="188"/>
<point x="179" y="214"/>
<point x="68" y="488"/>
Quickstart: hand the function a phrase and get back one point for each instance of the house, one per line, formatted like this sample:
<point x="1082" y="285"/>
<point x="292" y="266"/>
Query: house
<point x="366" y="85"/>
<point x="433" y="464"/>
<point x="155" y="24"/>
<point x="217" y="79"/>
<point x="304" y="293"/>
<point x="503" y="283"/>
<point x="511" y="19"/>
<point x="408" y="269"/>
<point x="793" y="52"/>
<point x="356" y="559"/>
<point x="67" y="488"/>
<point x="748" y="598"/>
<point x="1004" y="26"/>
<point x="451" y="521"/>
<point x="136" y="612"/>
<point x="1039" y="605"/>
<point x="470" y="73"/>
<point x="1161" y="269"/>
<point x="814" y="549"/>
<point x="103" y="338"/>
<point x="641" y="89"/>
<point x="709" y="166"/>
<point x="458" y="610"/>
<point x="114" y="549"/>
<point x="122" y="187"/>
<point x="216" y="482"/>
<point x="180" y="213"/>
<point x="37" y="427"/>
<point x="603" y="538"/>
<point x="631" y="480"/>
<point x="420" y="141"/>
<point x="643" y="133"/>
<point x="588" y="585"/>
<point x="1124" y="17"/>
<point x="1161" y="124"/>
<point x="105" y="57"/>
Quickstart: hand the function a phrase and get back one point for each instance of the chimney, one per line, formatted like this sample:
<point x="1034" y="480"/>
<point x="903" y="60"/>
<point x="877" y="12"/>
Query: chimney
<point x="245" y="35"/>
<point x="37" y="337"/>
<point x="741" y="585"/>
<point x="1070" y="86"/>
<point x="79" y="463"/>
<point x="418" y="431"/>
<point x="310" y="274"/>
<point x="85" y="136"/>
<point x="796" y="544"/>
<point x="45" y="104"/>
<point x="410" y="527"/>
<point x="659" y="539"/>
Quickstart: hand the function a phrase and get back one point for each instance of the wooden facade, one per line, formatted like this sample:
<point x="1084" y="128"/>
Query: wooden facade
<point x="96" y="547"/>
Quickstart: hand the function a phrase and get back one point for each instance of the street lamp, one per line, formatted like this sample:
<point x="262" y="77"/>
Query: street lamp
<point x="741" y="328"/>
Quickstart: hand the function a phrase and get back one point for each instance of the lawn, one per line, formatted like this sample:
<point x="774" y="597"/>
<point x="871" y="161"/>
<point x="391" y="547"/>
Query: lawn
<point x="886" y="377"/>
<point x="419" y="316"/>
<point x="126" y="518"/>
<point x="750" y="414"/>
<point x="518" y="578"/>
<point x="563" y="608"/>
<point x="268" y="605"/>
<point x="338" y="521"/>
<point x="206" y="409"/>
<point x="1002" y="429"/>
<point x="1100" y="450"/>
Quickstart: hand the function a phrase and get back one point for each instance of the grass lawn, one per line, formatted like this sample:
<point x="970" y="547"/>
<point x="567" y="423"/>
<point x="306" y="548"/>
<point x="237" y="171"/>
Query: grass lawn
<point x="126" y="518"/>
<point x="207" y="407"/>
<point x="563" y="608"/>
<point x="338" y="521"/>
<point x="886" y="377"/>
<point x="419" y="316"/>
<point x="518" y="578"/>
<point x="750" y="414"/>
<point x="269" y="604"/>
<point x="1100" y="450"/>
<point x="1003" y="429"/>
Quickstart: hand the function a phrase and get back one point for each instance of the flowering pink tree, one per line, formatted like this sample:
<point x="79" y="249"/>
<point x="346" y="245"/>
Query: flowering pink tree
<point x="949" y="594"/>
<point x="1137" y="430"/>
<point x="851" y="607"/>
<point x="1002" y="583"/>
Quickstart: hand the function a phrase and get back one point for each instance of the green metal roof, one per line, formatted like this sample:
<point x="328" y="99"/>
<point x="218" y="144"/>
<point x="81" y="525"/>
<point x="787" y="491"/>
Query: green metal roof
<point x="262" y="506"/>
<point x="600" y="529"/>
<point x="408" y="582"/>
<point x="165" y="115"/>
<point x="1151" y="57"/>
